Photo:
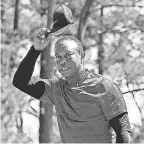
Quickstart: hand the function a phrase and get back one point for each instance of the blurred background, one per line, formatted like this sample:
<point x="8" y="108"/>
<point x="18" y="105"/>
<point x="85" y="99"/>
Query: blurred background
<point x="112" y="33"/>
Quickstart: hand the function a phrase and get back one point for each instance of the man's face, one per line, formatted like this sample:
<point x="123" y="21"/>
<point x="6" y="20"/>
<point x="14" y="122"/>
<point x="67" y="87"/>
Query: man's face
<point x="68" y="59"/>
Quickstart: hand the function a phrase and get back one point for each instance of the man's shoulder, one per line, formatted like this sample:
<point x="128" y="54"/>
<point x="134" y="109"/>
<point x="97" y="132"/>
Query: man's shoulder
<point x="99" y="80"/>
<point x="94" y="77"/>
<point x="92" y="74"/>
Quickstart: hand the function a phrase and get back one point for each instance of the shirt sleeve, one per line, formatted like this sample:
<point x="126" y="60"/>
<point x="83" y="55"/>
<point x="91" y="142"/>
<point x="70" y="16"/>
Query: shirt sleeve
<point x="112" y="101"/>
<point x="50" y="85"/>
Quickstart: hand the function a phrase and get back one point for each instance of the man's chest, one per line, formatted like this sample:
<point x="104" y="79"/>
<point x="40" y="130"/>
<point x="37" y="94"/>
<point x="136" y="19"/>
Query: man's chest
<point x="78" y="103"/>
<point x="80" y="115"/>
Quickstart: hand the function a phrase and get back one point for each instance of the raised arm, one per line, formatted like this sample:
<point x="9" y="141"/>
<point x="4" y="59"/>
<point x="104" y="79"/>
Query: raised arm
<point x="23" y="77"/>
<point x="24" y="73"/>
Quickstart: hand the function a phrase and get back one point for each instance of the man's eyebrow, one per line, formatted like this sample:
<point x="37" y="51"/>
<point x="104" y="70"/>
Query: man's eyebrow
<point x="69" y="52"/>
<point x="66" y="53"/>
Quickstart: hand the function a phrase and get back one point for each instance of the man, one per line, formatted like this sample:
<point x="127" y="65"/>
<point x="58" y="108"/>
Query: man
<point x="88" y="105"/>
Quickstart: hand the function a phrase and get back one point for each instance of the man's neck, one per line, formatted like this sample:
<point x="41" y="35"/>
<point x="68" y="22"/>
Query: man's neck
<point x="74" y="80"/>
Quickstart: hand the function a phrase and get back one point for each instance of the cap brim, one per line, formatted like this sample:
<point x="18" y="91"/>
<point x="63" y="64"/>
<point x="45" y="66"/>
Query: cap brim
<point x="60" y="31"/>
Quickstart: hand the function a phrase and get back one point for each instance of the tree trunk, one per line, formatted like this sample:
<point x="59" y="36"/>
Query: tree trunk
<point x="100" y="44"/>
<point x="47" y="71"/>
<point x="83" y="19"/>
<point x="16" y="15"/>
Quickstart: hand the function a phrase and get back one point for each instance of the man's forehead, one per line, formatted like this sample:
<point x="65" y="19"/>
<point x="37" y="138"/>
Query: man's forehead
<point x="67" y="45"/>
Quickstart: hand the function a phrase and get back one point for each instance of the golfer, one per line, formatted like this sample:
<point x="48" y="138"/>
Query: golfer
<point x="88" y="106"/>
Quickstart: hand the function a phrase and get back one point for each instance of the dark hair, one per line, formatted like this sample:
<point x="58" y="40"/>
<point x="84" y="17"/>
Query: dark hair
<point x="67" y="37"/>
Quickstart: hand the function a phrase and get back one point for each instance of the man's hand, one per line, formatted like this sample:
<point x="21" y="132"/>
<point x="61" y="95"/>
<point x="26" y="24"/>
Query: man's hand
<point x="41" y="41"/>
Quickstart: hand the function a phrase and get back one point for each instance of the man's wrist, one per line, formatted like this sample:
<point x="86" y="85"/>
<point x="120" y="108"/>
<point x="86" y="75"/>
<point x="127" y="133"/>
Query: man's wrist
<point x="33" y="48"/>
<point x="33" y="53"/>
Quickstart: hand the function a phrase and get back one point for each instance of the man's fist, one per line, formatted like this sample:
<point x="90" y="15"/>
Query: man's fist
<point x="40" y="40"/>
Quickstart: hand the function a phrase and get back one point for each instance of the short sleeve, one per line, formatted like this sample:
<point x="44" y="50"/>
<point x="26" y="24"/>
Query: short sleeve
<point x="49" y="90"/>
<point x="112" y="102"/>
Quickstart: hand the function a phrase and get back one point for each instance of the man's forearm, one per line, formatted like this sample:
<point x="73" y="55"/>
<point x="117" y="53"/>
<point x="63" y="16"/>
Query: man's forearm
<point x="25" y="69"/>
<point x="124" y="137"/>
<point x="121" y="126"/>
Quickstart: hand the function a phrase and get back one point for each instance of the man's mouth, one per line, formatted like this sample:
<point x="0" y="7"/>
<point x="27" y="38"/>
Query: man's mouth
<point x="65" y="68"/>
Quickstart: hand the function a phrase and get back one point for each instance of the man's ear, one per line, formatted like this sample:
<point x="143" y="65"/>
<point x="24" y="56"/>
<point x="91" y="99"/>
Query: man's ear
<point x="82" y="54"/>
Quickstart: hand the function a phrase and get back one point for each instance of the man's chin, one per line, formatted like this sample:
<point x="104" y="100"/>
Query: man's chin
<point x="66" y="74"/>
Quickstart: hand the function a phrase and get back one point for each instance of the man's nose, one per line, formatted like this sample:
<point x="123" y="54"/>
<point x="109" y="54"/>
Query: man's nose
<point x="63" y="61"/>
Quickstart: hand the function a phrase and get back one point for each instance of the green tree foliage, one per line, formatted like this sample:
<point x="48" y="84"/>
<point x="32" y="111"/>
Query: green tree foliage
<point x="113" y="38"/>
